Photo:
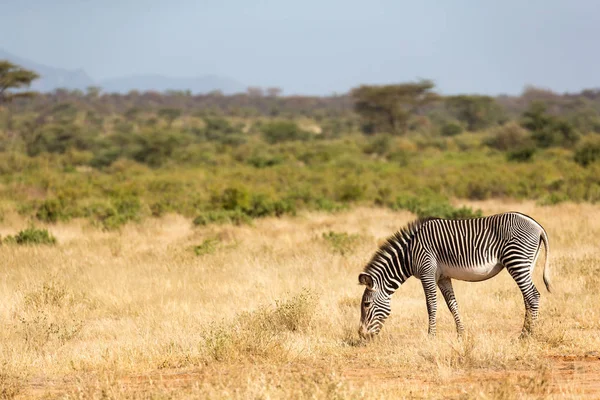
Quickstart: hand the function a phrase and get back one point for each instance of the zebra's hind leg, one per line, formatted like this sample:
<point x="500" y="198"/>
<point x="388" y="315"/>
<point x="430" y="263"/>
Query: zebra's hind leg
<point x="531" y="296"/>
<point x="445" y="285"/>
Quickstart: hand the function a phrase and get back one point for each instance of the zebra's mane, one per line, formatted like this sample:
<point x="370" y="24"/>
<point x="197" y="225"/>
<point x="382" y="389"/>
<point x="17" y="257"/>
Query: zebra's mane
<point x="404" y="235"/>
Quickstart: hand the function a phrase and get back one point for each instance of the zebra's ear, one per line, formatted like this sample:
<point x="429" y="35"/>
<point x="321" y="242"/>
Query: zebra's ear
<point x="366" y="280"/>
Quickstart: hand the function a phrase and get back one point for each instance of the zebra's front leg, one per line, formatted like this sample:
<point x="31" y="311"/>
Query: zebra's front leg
<point x="431" y="300"/>
<point x="445" y="285"/>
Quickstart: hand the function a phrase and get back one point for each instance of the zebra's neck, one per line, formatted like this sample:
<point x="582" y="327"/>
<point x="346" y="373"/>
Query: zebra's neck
<point x="391" y="265"/>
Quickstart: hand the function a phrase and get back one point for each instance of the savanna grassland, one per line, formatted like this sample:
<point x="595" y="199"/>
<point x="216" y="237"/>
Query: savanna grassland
<point x="179" y="245"/>
<point x="168" y="309"/>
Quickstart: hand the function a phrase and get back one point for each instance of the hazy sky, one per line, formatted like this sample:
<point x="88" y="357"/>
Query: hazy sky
<point x="318" y="46"/>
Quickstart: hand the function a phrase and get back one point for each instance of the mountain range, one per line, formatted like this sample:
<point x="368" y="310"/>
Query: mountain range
<point x="52" y="78"/>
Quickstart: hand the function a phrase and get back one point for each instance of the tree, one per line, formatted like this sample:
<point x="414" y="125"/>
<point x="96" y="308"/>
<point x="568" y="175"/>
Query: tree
<point x="255" y="91"/>
<point x="478" y="112"/>
<point x="387" y="108"/>
<point x="14" y="77"/>
<point x="170" y="114"/>
<point x="93" y="91"/>
<point x="283" y="131"/>
<point x="548" y="130"/>
<point x="274" y="92"/>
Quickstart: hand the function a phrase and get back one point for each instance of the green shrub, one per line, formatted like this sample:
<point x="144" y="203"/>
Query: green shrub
<point x="350" y="190"/>
<point x="232" y="198"/>
<point x="129" y="208"/>
<point x="341" y="242"/>
<point x="478" y="190"/>
<point x="208" y="246"/>
<point x="548" y="130"/>
<point x="262" y="205"/>
<point x="432" y="206"/>
<point x="451" y="129"/>
<point x="588" y="151"/>
<point x="218" y="129"/>
<point x="105" y="157"/>
<point x="32" y="236"/>
<point x="50" y="210"/>
<point x="264" y="160"/>
<point x="524" y="154"/>
<point x="553" y="199"/>
<point x="257" y="205"/>
<point x="155" y="148"/>
<point x="325" y="204"/>
<point x="120" y="211"/>
<point x="61" y="208"/>
<point x="235" y="217"/>
<point x="379" y="144"/>
<point x="560" y="133"/>
<point x="283" y="131"/>
<point x="509" y="137"/>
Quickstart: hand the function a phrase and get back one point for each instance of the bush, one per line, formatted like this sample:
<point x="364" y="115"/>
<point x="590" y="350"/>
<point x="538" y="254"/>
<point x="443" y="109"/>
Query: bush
<point x="524" y="154"/>
<point x="341" y="242"/>
<point x="451" y="129"/>
<point x="324" y="204"/>
<point x="238" y="199"/>
<point x="432" y="206"/>
<point x="588" y="151"/>
<point x="350" y="190"/>
<point x="51" y="210"/>
<point x="32" y="236"/>
<point x="561" y="133"/>
<point x="208" y="246"/>
<point x="548" y="130"/>
<point x="379" y="144"/>
<point x="155" y="148"/>
<point x="292" y="314"/>
<point x="235" y="217"/>
<point x="218" y="129"/>
<point x="283" y="131"/>
<point x="261" y="332"/>
<point x="232" y="198"/>
<point x="509" y="137"/>
<point x="552" y="199"/>
<point x="264" y="160"/>
<point x="117" y="213"/>
<point x="264" y="206"/>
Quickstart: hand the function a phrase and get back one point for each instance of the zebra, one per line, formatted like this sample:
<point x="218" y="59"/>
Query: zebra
<point x="436" y="250"/>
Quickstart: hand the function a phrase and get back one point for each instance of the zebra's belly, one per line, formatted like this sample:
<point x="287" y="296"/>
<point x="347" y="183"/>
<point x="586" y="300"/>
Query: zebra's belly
<point x="474" y="273"/>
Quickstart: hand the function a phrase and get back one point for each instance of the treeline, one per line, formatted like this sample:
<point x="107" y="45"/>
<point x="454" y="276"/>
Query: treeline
<point x="214" y="158"/>
<point x="474" y="112"/>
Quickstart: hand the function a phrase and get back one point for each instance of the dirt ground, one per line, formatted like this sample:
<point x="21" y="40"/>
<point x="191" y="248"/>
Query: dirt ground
<point x="572" y="376"/>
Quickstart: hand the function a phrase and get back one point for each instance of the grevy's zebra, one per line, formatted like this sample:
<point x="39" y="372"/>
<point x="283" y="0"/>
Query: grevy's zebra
<point x="438" y="250"/>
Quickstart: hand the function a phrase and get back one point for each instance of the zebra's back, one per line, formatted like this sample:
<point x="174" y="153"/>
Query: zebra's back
<point x="471" y="249"/>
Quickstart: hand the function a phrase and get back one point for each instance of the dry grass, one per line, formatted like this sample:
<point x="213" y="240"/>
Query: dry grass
<point x="271" y="311"/>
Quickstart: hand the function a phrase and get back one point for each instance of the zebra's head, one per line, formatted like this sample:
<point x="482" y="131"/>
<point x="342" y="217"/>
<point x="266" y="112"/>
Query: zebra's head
<point x="374" y="307"/>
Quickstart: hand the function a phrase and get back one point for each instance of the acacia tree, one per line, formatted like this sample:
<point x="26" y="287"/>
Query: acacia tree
<point x="14" y="77"/>
<point x="387" y="108"/>
<point x="477" y="112"/>
<point x="169" y="114"/>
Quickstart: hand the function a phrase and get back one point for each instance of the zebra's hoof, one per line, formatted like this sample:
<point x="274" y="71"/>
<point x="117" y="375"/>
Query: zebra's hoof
<point x="525" y="335"/>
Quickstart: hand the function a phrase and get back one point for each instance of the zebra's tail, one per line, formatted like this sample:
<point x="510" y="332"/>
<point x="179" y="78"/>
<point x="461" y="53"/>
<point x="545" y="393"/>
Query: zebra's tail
<point x="544" y="239"/>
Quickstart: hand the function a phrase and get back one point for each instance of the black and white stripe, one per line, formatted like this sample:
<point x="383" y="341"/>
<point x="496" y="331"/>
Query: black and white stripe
<point x="438" y="250"/>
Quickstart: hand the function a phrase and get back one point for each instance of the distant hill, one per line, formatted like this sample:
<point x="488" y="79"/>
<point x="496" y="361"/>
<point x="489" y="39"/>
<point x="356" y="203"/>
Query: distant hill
<point x="52" y="78"/>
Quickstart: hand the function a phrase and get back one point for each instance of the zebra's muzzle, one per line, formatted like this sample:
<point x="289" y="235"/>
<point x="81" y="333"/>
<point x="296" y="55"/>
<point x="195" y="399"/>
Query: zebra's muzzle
<point x="365" y="334"/>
